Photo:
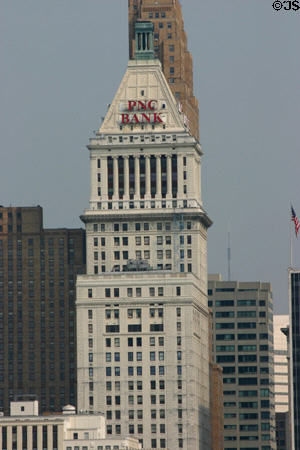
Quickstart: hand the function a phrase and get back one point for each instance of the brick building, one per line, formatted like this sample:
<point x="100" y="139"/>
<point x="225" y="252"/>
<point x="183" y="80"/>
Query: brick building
<point x="170" y="47"/>
<point x="38" y="269"/>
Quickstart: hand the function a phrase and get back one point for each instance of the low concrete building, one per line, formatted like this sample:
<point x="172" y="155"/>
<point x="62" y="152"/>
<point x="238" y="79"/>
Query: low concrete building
<point x="25" y="429"/>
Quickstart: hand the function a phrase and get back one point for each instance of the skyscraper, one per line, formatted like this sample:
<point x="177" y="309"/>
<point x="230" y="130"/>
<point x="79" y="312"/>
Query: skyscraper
<point x="142" y="315"/>
<point x="170" y="47"/>
<point x="294" y="339"/>
<point x="38" y="269"/>
<point x="281" y="364"/>
<point x="243" y="346"/>
<point x="281" y="382"/>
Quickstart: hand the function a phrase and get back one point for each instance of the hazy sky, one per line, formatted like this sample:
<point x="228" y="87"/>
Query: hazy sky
<point x="61" y="63"/>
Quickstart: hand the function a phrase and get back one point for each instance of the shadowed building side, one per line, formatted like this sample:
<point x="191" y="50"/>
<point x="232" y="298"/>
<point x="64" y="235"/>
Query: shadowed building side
<point x="38" y="269"/>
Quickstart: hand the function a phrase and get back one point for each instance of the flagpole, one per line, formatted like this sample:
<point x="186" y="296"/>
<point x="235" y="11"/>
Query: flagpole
<point x="291" y="244"/>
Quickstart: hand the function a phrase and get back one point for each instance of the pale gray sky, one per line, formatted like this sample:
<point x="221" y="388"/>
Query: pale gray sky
<point x="61" y="63"/>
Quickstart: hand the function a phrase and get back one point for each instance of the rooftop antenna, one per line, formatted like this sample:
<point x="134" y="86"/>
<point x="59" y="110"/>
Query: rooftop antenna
<point x="229" y="257"/>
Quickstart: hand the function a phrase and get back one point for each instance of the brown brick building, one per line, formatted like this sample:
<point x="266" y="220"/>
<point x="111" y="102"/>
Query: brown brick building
<point x="170" y="46"/>
<point x="38" y="269"/>
<point x="216" y="396"/>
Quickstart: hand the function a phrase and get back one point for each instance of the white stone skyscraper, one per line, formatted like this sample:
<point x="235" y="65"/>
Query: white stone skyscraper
<point x="142" y="315"/>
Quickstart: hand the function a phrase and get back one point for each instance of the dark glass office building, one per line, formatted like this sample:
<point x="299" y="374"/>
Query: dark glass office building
<point x="294" y="281"/>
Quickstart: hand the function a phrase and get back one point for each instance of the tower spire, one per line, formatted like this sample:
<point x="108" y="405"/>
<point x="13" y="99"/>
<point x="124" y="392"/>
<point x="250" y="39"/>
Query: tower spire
<point x="144" y="40"/>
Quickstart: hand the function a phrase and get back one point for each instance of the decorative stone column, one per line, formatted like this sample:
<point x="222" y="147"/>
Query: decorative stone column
<point x="40" y="436"/>
<point x="104" y="182"/>
<point x="148" y="178"/>
<point x="60" y="437"/>
<point x="29" y="437"/>
<point x="169" y="176"/>
<point x="9" y="436"/>
<point x="126" y="177"/>
<point x="50" y="436"/>
<point x="116" y="178"/>
<point x="137" y="194"/>
<point x="19" y="437"/>
<point x="94" y="183"/>
<point x="180" y="180"/>
<point x="158" y="177"/>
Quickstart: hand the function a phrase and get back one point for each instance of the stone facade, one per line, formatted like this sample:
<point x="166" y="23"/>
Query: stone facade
<point x="142" y="316"/>
<point x="25" y="429"/>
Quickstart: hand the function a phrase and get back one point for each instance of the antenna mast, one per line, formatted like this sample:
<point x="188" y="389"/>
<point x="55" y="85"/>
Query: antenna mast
<point x="229" y="257"/>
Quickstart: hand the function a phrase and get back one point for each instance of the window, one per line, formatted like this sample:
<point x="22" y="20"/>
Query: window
<point x="90" y="293"/>
<point x="107" y="292"/>
<point x="161" y="370"/>
<point x="224" y="314"/>
<point x="224" y="303"/>
<point x="225" y="337"/>
<point x="152" y="291"/>
<point x="161" y="341"/>
<point x="168" y="254"/>
<point x="160" y="291"/>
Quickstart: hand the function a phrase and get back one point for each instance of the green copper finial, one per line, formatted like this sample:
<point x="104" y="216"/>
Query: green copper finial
<point x="144" y="40"/>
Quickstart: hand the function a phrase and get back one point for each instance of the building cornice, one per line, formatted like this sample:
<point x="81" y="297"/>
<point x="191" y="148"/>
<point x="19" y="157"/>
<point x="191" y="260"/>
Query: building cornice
<point x="129" y="214"/>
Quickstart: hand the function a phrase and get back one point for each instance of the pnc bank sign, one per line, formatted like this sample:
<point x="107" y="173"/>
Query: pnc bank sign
<point x="135" y="112"/>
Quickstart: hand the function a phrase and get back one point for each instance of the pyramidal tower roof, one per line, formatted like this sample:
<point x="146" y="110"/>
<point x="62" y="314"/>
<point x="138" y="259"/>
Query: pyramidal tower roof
<point x="144" y="101"/>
